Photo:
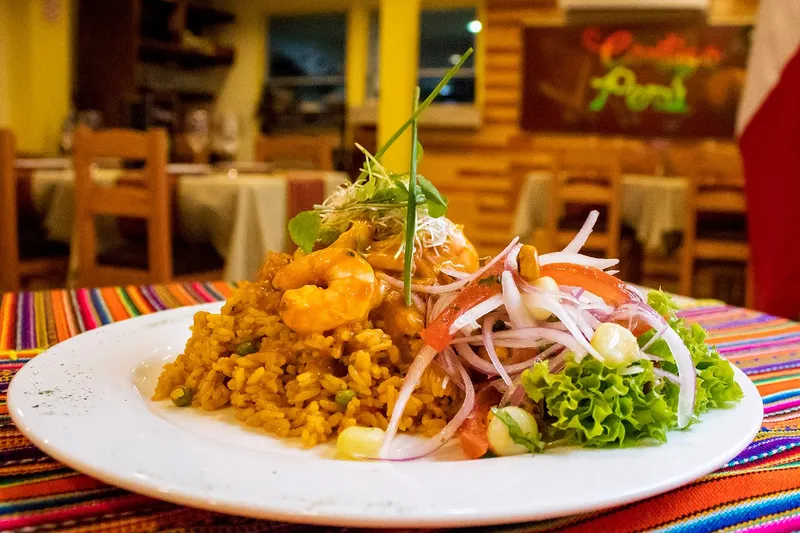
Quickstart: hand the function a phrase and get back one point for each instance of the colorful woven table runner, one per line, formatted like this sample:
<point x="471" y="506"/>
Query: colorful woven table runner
<point x="759" y="491"/>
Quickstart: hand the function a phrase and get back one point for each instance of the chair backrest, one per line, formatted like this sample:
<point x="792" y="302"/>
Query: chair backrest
<point x="147" y="198"/>
<point x="588" y="177"/>
<point x="716" y="188"/>
<point x="638" y="157"/>
<point x="717" y="182"/>
<point x="295" y="151"/>
<point x="521" y="166"/>
<point x="9" y="245"/>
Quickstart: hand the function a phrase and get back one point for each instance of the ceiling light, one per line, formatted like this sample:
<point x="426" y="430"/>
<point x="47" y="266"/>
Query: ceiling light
<point x="474" y="26"/>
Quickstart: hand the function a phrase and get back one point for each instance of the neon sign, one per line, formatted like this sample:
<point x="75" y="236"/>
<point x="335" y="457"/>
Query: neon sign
<point x="619" y="51"/>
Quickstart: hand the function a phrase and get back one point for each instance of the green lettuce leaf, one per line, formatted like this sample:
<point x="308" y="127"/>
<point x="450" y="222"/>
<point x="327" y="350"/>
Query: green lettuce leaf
<point x="716" y="386"/>
<point x="592" y="405"/>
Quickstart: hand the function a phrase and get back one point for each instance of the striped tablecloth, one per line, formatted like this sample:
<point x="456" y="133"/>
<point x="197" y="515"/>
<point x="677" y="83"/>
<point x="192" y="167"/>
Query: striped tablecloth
<point x="759" y="491"/>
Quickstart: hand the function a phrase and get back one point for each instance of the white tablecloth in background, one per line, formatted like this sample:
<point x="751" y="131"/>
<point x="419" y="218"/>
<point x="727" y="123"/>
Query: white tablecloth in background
<point x="242" y="217"/>
<point x="652" y="205"/>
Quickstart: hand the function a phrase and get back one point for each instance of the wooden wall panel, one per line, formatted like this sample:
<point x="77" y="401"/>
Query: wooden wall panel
<point x="503" y="61"/>
<point x="503" y="39"/>
<point x="475" y="166"/>
<point x="481" y="162"/>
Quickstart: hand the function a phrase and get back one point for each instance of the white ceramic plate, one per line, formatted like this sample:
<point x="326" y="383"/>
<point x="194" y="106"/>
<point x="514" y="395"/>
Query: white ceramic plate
<point x="85" y="402"/>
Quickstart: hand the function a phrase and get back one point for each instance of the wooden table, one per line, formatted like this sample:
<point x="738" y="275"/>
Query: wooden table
<point x="652" y="205"/>
<point x="242" y="215"/>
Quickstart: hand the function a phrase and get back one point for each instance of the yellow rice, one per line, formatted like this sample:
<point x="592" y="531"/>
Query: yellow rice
<point x="289" y="386"/>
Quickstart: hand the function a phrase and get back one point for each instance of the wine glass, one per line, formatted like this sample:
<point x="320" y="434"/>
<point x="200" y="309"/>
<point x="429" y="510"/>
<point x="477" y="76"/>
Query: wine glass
<point x="226" y="135"/>
<point x="197" y="131"/>
<point x="91" y="118"/>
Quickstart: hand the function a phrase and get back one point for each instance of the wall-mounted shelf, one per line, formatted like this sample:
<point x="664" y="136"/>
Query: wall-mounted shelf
<point x="169" y="52"/>
<point x="199" y="14"/>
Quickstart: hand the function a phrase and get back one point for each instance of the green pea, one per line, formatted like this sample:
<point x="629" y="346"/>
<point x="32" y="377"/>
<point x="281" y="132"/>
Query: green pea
<point x="343" y="397"/>
<point x="181" y="396"/>
<point x="248" y="347"/>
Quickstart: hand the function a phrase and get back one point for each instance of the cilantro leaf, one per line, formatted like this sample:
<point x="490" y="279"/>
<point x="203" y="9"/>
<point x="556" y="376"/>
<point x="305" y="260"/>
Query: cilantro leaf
<point x="304" y="230"/>
<point x="489" y="280"/>
<point x="437" y="204"/>
<point x="436" y="210"/>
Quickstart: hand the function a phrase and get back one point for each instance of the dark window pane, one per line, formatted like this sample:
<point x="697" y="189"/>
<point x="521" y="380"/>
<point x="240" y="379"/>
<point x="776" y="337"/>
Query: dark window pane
<point x="457" y="90"/>
<point x="443" y="34"/>
<point x="307" y="45"/>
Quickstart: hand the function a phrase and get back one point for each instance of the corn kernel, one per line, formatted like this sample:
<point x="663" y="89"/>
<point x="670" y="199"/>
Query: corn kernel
<point x="360" y="442"/>
<point x="616" y="344"/>
<point x="533" y="301"/>
<point x="499" y="437"/>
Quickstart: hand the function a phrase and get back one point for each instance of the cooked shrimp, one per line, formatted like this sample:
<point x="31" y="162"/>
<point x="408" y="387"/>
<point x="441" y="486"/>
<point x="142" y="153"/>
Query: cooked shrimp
<point x="398" y="319"/>
<point x="382" y="255"/>
<point x="324" y="290"/>
<point x="457" y="252"/>
<point x="357" y="237"/>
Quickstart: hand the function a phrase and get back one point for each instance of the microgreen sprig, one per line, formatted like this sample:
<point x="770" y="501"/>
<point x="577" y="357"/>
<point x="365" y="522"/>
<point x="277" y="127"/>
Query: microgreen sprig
<point x="411" y="209"/>
<point x="422" y="107"/>
<point x="382" y="197"/>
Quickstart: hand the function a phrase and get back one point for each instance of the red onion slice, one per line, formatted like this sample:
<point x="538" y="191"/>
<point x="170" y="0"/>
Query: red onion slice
<point x="581" y="322"/>
<point x="455" y="274"/>
<point x="471" y="358"/>
<point x="410" y="382"/>
<point x="666" y="375"/>
<point x="513" y="395"/>
<point x="536" y="334"/>
<point x="555" y="307"/>
<point x="511" y="258"/>
<point x="517" y="312"/>
<point x="434" y="443"/>
<point x="418" y="302"/>
<point x="686" y="370"/>
<point x="581" y="237"/>
<point x="559" y="295"/>
<point x="440" y="304"/>
<point x="589" y="318"/>
<point x="486" y="306"/>
<point x="488" y="323"/>
<point x="441" y="289"/>
<point x="577" y="259"/>
<point x="655" y="337"/>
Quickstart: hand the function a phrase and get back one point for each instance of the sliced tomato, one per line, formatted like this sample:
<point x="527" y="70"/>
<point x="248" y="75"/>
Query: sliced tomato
<point x="612" y="290"/>
<point x="437" y="334"/>
<point x="472" y="433"/>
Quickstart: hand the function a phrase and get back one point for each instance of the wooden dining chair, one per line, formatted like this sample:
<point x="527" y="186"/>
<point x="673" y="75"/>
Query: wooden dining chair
<point x="25" y="252"/>
<point x="638" y="157"/>
<point x="716" y="189"/>
<point x="521" y="166"/>
<point x="295" y="151"/>
<point x="586" y="179"/>
<point x="142" y="194"/>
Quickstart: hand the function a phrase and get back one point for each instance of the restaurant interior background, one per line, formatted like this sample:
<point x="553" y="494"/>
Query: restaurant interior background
<point x="643" y="99"/>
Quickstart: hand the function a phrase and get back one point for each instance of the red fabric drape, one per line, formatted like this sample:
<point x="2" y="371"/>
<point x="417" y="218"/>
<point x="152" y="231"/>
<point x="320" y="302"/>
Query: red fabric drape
<point x="770" y="146"/>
